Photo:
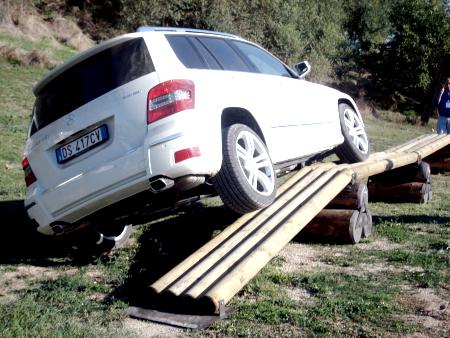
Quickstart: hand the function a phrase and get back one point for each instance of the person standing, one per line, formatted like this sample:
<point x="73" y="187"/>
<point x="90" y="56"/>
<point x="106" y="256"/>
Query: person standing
<point x="442" y="101"/>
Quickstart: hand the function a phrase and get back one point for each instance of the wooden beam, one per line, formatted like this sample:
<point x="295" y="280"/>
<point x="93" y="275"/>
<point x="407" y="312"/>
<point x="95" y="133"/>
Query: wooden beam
<point x="416" y="172"/>
<point x="412" y="192"/>
<point x="354" y="196"/>
<point x="336" y="225"/>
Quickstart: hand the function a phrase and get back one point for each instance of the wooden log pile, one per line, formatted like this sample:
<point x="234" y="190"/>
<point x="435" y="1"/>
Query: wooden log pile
<point x="346" y="219"/>
<point x="440" y="160"/>
<point x="411" y="184"/>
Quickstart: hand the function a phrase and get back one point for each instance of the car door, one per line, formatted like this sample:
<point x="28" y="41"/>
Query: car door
<point x="294" y="123"/>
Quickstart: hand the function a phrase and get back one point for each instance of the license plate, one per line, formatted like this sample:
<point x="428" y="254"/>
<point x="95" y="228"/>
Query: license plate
<point x="82" y="144"/>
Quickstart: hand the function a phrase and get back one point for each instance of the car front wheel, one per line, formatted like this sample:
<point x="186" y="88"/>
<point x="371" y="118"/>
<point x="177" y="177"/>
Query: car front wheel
<point x="356" y="144"/>
<point x="246" y="180"/>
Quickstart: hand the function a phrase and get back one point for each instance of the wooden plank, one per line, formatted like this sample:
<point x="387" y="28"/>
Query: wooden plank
<point x="233" y="280"/>
<point x="201" y="262"/>
<point x="222" y="260"/>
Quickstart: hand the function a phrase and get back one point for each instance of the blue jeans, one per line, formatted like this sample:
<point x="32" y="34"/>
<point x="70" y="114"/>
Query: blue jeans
<point x="443" y="125"/>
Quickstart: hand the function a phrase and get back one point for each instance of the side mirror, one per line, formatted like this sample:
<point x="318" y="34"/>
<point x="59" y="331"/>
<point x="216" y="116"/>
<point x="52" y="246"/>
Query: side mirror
<point x="303" y="68"/>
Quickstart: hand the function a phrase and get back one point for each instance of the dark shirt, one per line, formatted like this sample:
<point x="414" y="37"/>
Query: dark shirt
<point x="444" y="104"/>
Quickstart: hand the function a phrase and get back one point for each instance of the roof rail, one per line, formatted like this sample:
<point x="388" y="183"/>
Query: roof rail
<point x="181" y="29"/>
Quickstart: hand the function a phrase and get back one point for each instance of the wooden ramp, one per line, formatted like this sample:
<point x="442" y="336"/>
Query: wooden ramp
<point x="205" y="281"/>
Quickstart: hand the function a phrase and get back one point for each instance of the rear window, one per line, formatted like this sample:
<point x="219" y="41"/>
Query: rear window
<point x="90" y="79"/>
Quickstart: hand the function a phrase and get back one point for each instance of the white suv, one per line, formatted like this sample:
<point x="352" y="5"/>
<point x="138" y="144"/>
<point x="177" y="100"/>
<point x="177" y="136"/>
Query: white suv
<point x="161" y="117"/>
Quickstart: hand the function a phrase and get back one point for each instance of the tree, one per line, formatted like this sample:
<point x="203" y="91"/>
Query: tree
<point x="418" y="40"/>
<point x="367" y="27"/>
<point x="291" y="30"/>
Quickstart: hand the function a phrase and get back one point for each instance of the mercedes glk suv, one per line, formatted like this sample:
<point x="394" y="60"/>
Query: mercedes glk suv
<point x="155" y="119"/>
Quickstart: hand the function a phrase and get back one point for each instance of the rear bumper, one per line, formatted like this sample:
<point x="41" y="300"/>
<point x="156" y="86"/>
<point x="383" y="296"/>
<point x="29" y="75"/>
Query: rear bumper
<point x="90" y="191"/>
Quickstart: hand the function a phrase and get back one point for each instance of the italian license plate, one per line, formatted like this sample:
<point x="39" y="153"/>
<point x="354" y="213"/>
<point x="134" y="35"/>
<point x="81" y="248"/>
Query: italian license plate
<point x="82" y="144"/>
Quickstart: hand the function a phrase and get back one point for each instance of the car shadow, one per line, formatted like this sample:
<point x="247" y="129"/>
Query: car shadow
<point x="22" y="243"/>
<point x="162" y="245"/>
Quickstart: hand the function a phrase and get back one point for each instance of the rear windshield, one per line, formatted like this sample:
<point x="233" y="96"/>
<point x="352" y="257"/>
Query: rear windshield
<point x="90" y="79"/>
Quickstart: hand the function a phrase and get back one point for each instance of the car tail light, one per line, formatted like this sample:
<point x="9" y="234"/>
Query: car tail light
<point x="184" y="154"/>
<point x="170" y="97"/>
<point x="29" y="175"/>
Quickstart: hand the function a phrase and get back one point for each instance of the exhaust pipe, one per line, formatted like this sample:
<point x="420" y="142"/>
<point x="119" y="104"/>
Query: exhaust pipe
<point x="159" y="184"/>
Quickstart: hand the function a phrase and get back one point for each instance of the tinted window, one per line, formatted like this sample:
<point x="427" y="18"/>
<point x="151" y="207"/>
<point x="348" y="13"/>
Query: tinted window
<point x="207" y="56"/>
<point x="90" y="79"/>
<point x="224" y="54"/>
<point x="264" y="62"/>
<point x="185" y="52"/>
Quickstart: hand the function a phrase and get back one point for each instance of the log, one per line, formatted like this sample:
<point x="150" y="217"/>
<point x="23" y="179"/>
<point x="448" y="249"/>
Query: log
<point x="413" y="192"/>
<point x="337" y="225"/>
<point x="265" y="221"/>
<point x="228" y="234"/>
<point x="375" y="165"/>
<point x="352" y="197"/>
<point x="439" y="165"/>
<point x="247" y="267"/>
<point x="410" y="173"/>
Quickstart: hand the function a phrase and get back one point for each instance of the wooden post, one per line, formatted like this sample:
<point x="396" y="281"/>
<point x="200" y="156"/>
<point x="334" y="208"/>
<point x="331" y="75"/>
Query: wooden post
<point x="345" y="218"/>
<point x="340" y="225"/>
<point x="411" y="173"/>
<point x="354" y="196"/>
<point x="440" y="160"/>
<point x="440" y="165"/>
<point x="413" y="192"/>
<point x="411" y="183"/>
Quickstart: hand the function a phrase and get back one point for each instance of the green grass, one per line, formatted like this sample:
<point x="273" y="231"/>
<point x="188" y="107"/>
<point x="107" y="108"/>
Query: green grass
<point x="356" y="291"/>
<point x="64" y="307"/>
<point x="16" y="103"/>
<point x="358" y="303"/>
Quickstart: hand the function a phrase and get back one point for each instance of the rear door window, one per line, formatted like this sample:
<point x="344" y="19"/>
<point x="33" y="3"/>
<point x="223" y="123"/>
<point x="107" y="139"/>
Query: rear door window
<point x="90" y="79"/>
<point x="186" y="53"/>
<point x="227" y="57"/>
<point x="210" y="60"/>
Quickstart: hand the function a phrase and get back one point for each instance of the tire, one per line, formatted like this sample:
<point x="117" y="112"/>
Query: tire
<point x="246" y="180"/>
<point x="356" y="143"/>
<point x="104" y="239"/>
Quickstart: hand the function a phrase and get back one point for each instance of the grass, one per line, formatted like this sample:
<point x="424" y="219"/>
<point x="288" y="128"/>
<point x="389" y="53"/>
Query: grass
<point x="346" y="291"/>
<point x="65" y="307"/>
<point x="358" y="304"/>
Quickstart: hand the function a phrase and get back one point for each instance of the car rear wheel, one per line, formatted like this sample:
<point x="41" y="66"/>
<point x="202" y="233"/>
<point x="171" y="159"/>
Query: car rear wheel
<point x="246" y="181"/>
<point x="356" y="144"/>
